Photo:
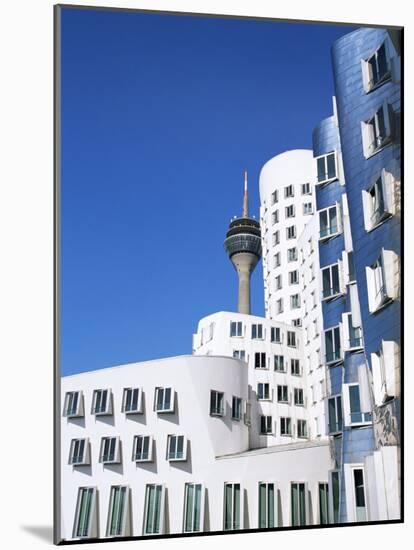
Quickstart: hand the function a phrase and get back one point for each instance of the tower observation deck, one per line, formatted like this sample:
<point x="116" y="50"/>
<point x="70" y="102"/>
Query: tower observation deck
<point x="244" y="248"/>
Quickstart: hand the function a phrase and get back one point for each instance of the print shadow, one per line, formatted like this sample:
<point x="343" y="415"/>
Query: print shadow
<point x="173" y="417"/>
<point x="206" y="526"/>
<point x="77" y="421"/>
<point x="310" y="520"/>
<point x="141" y="417"/>
<point x="42" y="532"/>
<point x="149" y="466"/>
<point x="85" y="469"/>
<point x="166" y="513"/>
<point x="246" y="520"/>
<point x="279" y="509"/>
<point x="185" y="465"/>
<point x="105" y="419"/>
<point x="116" y="468"/>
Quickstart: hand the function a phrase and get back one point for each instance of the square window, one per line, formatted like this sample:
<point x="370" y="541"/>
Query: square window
<point x="239" y="354"/>
<point x="263" y="391"/>
<point x="79" y="452"/>
<point x="328" y="222"/>
<point x="176" y="448"/>
<point x="257" y="332"/>
<point x="164" y="400"/>
<point x="326" y="167"/>
<point x="142" y="451"/>
<point x="216" y="403"/>
<point x="73" y="406"/>
<point x="307" y="208"/>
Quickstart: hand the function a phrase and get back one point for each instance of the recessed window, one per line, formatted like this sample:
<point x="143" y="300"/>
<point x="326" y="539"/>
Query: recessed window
<point x="291" y="339"/>
<point x="282" y="394"/>
<point x="298" y="504"/>
<point x="164" y="400"/>
<point x="292" y="254"/>
<point x="110" y="450"/>
<point x="298" y="397"/>
<point x="232" y="505"/>
<point x="236" y="408"/>
<point x="118" y="512"/>
<point x="359" y="494"/>
<point x="79" y="452"/>
<point x="266" y="425"/>
<point x="295" y="367"/>
<point x="330" y="282"/>
<point x="276" y="259"/>
<point x="357" y="416"/>
<point x="382" y="280"/>
<point x="275" y="217"/>
<point x="279" y="305"/>
<point x="302" y="428"/>
<point x="275" y="197"/>
<point x="73" y="406"/>
<point x="142" y="448"/>
<point x="376" y="69"/>
<point x="306" y="189"/>
<point x="336" y="495"/>
<point x="289" y="191"/>
<point x="335" y="414"/>
<point x="291" y="232"/>
<point x="85" y="515"/>
<point x="263" y="391"/>
<point x="290" y="211"/>
<point x="193" y="509"/>
<point x="285" y="426"/>
<point x="378" y="201"/>
<point x="307" y="208"/>
<point x="297" y="322"/>
<point x="266" y="505"/>
<point x="260" y="360"/>
<point x="327" y="169"/>
<point x="323" y="503"/>
<point x="278" y="282"/>
<point x="239" y="354"/>
<point x="132" y="400"/>
<point x="332" y="345"/>
<point x="257" y="332"/>
<point x="276" y="238"/>
<point x="279" y="363"/>
<point x="101" y="403"/>
<point x="295" y="301"/>
<point x="377" y="130"/>
<point x="275" y="335"/>
<point x="328" y="222"/>
<point x="294" y="277"/>
<point x="216" y="403"/>
<point x="154" y="510"/>
<point x="236" y="328"/>
<point x="176" y="448"/>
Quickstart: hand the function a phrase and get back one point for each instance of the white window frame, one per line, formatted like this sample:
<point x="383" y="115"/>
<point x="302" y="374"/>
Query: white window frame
<point x="91" y="528"/>
<point x="247" y="413"/>
<point x="306" y="494"/>
<point x="278" y="282"/>
<point x="275" y="217"/>
<point x="331" y="230"/>
<point x="284" y="390"/>
<point x="372" y="141"/>
<point x="293" y="371"/>
<point x="240" y="354"/>
<point x="276" y="238"/>
<point x="292" y="254"/>
<point x="172" y="441"/>
<point x="125" y="512"/>
<point x="339" y="419"/>
<point x="307" y="208"/>
<point x="385" y="364"/>
<point x="108" y="404"/>
<point x="291" y="339"/>
<point x="217" y="410"/>
<point x="282" y="362"/>
<point x="266" y="515"/>
<point x="297" y="392"/>
<point x="164" y="409"/>
<point x="258" y="331"/>
<point x="77" y="410"/>
<point x="84" y="459"/>
<point x="337" y="354"/>
<point x="262" y="395"/>
<point x="269" y="425"/>
<point x="143" y="438"/>
<point x="276" y="335"/>
<point x="116" y="453"/>
<point x="201" y="518"/>
<point x="161" y="509"/>
<point x="327" y="179"/>
<point x="262" y="363"/>
<point x="374" y="214"/>
<point x="304" y="423"/>
<point x="294" y="277"/>
<point x="291" y="232"/>
<point x="295" y="302"/>
<point x="366" y="416"/>
<point x="290" y="211"/>
<point x="350" y="491"/>
<point x="367" y="73"/>
<point x="355" y="343"/>
<point x="131" y="410"/>
<point x="289" y="191"/>
<point x="306" y="189"/>
<point x="274" y="197"/>
<point x="241" y="506"/>
<point x="236" y="408"/>
<point x="285" y="422"/>
<point x="279" y="305"/>
<point x="238" y="331"/>
<point x="340" y="290"/>
<point x="382" y="284"/>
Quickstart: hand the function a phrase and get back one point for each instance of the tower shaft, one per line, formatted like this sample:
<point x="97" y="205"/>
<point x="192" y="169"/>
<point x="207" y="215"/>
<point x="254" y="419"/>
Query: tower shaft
<point x="244" y="263"/>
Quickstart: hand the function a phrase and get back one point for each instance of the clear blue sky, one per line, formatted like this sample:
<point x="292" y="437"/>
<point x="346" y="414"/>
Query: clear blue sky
<point x="160" y="116"/>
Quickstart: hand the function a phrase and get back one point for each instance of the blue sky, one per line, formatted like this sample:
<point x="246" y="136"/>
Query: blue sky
<point x="160" y="116"/>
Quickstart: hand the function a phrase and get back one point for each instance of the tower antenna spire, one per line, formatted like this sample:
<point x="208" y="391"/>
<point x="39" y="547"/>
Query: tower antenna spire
<point x="245" y="197"/>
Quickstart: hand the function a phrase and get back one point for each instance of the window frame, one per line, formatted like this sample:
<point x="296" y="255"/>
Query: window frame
<point x="337" y="353"/>
<point x="108" y="408"/>
<point x="269" y="522"/>
<point x="372" y="141"/>
<point x="282" y="361"/>
<point x="302" y="434"/>
<point x="217" y="411"/>
<point x="164" y="409"/>
<point x="291" y="337"/>
<point x="138" y="409"/>
<point x="284" y="390"/>
<point x="327" y="179"/>
<point x="339" y="418"/>
<point x="201" y="510"/>
<point x="332" y="295"/>
<point x="257" y="331"/>
<point x="331" y="230"/>
<point x="236" y="408"/>
<point x="112" y="509"/>
<point x="287" y="422"/>
<point x="143" y="437"/>
<point x="174" y="456"/>
<point x="266" y="421"/>
<point x="91" y="527"/>
<point x="85" y="457"/>
<point x="369" y="84"/>
<point x="160" y="520"/>
<point x="71" y="411"/>
<point x="233" y="526"/>
<point x="238" y="325"/>
<point x="116" y="451"/>
<point x="296" y="401"/>
<point x="305" y="504"/>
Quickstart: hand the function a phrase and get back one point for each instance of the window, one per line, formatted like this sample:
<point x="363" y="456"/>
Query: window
<point x="302" y="428"/>
<point x="275" y="197"/>
<point x="328" y="222"/>
<point x="79" y="452"/>
<point x="266" y="505"/>
<point x="291" y="339"/>
<point x="336" y="494"/>
<point x="356" y="416"/>
<point x="265" y="425"/>
<point x="377" y="131"/>
<point x="216" y="403"/>
<point x="275" y="335"/>
<point x="290" y="211"/>
<point x="295" y="301"/>
<point x="282" y="394"/>
<point x="276" y="259"/>
<point x="236" y="408"/>
<point x="236" y="328"/>
<point x="142" y="451"/>
<point x="275" y="217"/>
<point x="359" y="495"/>
<point x="295" y="367"/>
<point x="306" y="189"/>
<point x="384" y="371"/>
<point x="164" y="400"/>
<point x="291" y="232"/>
<point x="297" y="322"/>
<point x="110" y="450"/>
<point x="335" y="414"/>
<point x="285" y="426"/>
<point x="352" y="334"/>
<point x="239" y="354"/>
<point x="351" y="267"/>
<point x="278" y="282"/>
<point x="298" y="397"/>
<point x="247" y="416"/>
<point x="375" y="69"/>
<point x="327" y="169"/>
<point x="260" y="360"/>
<point x="276" y="238"/>
<point x="154" y="510"/>
<point x="176" y="448"/>
<point x="323" y="504"/>
<point x="330" y="282"/>
<point x="257" y="332"/>
<point x="292" y="254"/>
<point x="118" y="511"/>
<point x="263" y="391"/>
<point x="73" y="406"/>
<point x="85" y="515"/>
<point x="232" y="505"/>
<point x="294" y="277"/>
<point x="332" y="345"/>
<point x="298" y="504"/>
<point x="101" y="403"/>
<point x="193" y="507"/>
<point x="132" y="401"/>
<point x="289" y="191"/>
<point x="279" y="363"/>
<point x="381" y="280"/>
<point x="279" y="305"/>
<point x="378" y="200"/>
<point x="307" y="208"/>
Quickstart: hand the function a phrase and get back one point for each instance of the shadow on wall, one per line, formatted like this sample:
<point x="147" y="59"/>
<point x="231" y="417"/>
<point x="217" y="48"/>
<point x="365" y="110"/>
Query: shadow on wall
<point x="85" y="469"/>
<point x="141" y="417"/>
<point x="206" y="526"/>
<point x="149" y="466"/>
<point x="279" y="509"/>
<point x="246" y="520"/>
<point x="166" y="514"/>
<point x="42" y="532"/>
<point x="77" y="421"/>
<point x="310" y="519"/>
<point x="185" y="466"/>
<point x="171" y="417"/>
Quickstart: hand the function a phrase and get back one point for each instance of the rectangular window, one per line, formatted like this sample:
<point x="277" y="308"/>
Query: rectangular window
<point x="323" y="504"/>
<point x="376" y="69"/>
<point x="164" y="400"/>
<point x="292" y="254"/>
<point x="279" y="305"/>
<point x="282" y="394"/>
<point x="257" y="332"/>
<point x="117" y="511"/>
<point x="279" y="363"/>
<point x="385" y="366"/>
<point x="354" y="333"/>
<point x="274" y="197"/>
<point x="85" y="509"/>
<point x="291" y="339"/>
<point x="276" y="259"/>
<point x="266" y="505"/>
<point x="275" y="335"/>
<point x="295" y="301"/>
<point x="382" y="280"/>
<point x="285" y="426"/>
<point x="275" y="217"/>
<point x="330" y="282"/>
<point x="236" y="408"/>
<point x="376" y="203"/>
<point x="289" y="191"/>
<point x="247" y="416"/>
<point x="291" y="232"/>
<point x="236" y="328"/>
<point x="332" y="345"/>
<point x="176" y="448"/>
<point x="306" y="189"/>
<point x="216" y="403"/>
<point x="73" y="406"/>
<point x="359" y="494"/>
<point x="356" y="415"/>
<point x="307" y="208"/>
<point x="142" y="451"/>
<point x="278" y="282"/>
<point x="294" y="277"/>
<point x="239" y="354"/>
<point x="295" y="367"/>
<point x="298" y="504"/>
<point x="132" y="401"/>
<point x="154" y="510"/>
<point x="298" y="397"/>
<point x="110" y="453"/>
<point x="276" y="238"/>
<point x="335" y="414"/>
<point x="336" y="495"/>
<point x="78" y="454"/>
<point x="260" y="360"/>
<point x="328" y="222"/>
<point x="193" y="510"/>
<point x="326" y="165"/>
<point x="232" y="505"/>
<point x="101" y="402"/>
<point x="290" y="211"/>
<point x="377" y="131"/>
<point x="351" y="268"/>
<point x="297" y="322"/>
<point x="302" y="428"/>
<point x="263" y="391"/>
<point x="265" y="425"/>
